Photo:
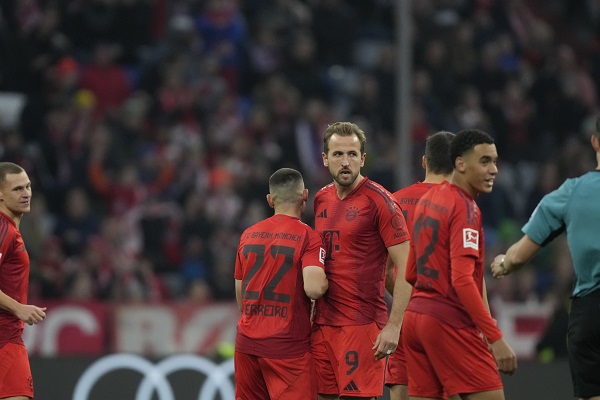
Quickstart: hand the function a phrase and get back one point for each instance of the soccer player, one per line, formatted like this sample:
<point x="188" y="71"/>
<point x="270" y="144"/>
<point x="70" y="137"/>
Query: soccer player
<point x="447" y="316"/>
<point x="573" y="208"/>
<point x="361" y="224"/>
<point x="279" y="269"/>
<point x="16" y="382"/>
<point x="438" y="169"/>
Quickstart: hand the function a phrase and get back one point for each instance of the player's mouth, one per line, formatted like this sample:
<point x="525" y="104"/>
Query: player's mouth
<point x="346" y="173"/>
<point x="489" y="182"/>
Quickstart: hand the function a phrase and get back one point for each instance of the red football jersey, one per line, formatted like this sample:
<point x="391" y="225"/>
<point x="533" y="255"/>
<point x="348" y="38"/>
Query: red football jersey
<point x="357" y="232"/>
<point x="14" y="278"/>
<point x="275" y="320"/>
<point x="447" y="225"/>
<point x="408" y="198"/>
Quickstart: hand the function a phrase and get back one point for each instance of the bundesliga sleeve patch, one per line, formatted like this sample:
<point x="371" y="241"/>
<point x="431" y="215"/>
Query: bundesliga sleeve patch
<point x="470" y="239"/>
<point x="322" y="255"/>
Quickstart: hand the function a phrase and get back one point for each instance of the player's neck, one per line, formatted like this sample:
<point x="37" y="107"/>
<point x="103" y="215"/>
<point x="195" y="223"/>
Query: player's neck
<point x="293" y="212"/>
<point x="343" y="191"/>
<point x="460" y="181"/>
<point x="15" y="217"/>
<point x="436" y="178"/>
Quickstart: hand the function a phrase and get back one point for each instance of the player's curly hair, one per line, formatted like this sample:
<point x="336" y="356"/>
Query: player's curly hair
<point x="466" y="140"/>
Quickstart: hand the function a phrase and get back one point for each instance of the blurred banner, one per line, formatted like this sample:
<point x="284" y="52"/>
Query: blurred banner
<point x="154" y="330"/>
<point x="158" y="330"/>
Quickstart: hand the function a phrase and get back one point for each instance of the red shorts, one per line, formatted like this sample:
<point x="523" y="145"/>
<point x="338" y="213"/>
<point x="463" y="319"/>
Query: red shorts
<point x="446" y="359"/>
<point x="345" y="361"/>
<point x="258" y="378"/>
<point x="395" y="369"/>
<point x="15" y="373"/>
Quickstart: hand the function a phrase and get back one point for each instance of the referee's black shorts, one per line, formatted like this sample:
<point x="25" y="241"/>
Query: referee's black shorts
<point x="583" y="340"/>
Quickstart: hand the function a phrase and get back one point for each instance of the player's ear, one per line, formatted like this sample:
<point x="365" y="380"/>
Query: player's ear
<point x="325" y="161"/>
<point x="305" y="195"/>
<point x="423" y="162"/>
<point x="595" y="143"/>
<point x="459" y="164"/>
<point x="270" y="201"/>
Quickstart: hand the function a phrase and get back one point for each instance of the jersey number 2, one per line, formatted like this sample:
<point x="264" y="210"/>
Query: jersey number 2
<point x="434" y="224"/>
<point x="269" y="290"/>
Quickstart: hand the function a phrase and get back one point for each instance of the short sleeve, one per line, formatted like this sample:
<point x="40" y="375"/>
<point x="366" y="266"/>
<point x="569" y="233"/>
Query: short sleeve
<point x="547" y="220"/>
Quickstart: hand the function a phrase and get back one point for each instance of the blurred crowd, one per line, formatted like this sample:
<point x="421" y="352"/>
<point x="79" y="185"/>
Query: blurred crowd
<point x="150" y="127"/>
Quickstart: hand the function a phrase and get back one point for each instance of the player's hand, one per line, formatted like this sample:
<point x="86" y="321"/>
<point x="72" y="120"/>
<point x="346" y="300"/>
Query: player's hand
<point x="386" y="341"/>
<point x="31" y="314"/>
<point x="506" y="359"/>
<point x="498" y="270"/>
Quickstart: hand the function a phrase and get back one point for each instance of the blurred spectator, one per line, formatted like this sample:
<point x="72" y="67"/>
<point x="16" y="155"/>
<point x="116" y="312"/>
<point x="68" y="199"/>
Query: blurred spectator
<point x="198" y="292"/>
<point x="106" y="80"/>
<point x="48" y="272"/>
<point x="223" y="28"/>
<point x="334" y="23"/>
<point x="78" y="222"/>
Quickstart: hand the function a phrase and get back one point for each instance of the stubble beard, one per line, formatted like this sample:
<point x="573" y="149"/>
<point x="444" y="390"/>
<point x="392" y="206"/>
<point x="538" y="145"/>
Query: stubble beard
<point x="345" y="182"/>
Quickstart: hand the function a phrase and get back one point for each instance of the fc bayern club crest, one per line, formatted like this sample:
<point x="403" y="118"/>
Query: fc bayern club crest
<point x="351" y="213"/>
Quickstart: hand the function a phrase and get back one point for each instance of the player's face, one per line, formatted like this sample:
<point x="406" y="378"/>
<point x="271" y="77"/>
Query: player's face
<point x="15" y="194"/>
<point x="481" y="167"/>
<point x="344" y="159"/>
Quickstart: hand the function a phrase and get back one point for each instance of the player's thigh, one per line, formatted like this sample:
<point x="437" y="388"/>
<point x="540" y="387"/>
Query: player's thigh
<point x="345" y="354"/>
<point x="461" y="358"/>
<point x="399" y="392"/>
<point x="15" y="373"/>
<point x="290" y="378"/>
<point x="423" y="382"/>
<point x="325" y="360"/>
<point x="395" y="369"/>
<point x="497" y="394"/>
<point x="249" y="381"/>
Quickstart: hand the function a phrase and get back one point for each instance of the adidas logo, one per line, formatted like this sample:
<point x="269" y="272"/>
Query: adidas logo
<point x="322" y="214"/>
<point x="351" y="386"/>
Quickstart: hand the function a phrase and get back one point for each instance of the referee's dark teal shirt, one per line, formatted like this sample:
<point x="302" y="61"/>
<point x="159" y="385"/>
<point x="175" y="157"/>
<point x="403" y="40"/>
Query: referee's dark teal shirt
<point x="574" y="207"/>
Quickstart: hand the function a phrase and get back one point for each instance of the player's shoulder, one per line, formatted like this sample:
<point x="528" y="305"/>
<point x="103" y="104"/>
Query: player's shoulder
<point x="374" y="189"/>
<point x="257" y="225"/>
<point x="414" y="189"/>
<point x="7" y="228"/>
<point x="325" y="189"/>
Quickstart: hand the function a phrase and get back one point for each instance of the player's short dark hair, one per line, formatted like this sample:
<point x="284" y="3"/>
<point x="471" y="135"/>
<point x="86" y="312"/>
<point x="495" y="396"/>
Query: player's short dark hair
<point x="344" y="129"/>
<point x="437" y="153"/>
<point x="285" y="184"/>
<point x="8" y="168"/>
<point x="465" y="141"/>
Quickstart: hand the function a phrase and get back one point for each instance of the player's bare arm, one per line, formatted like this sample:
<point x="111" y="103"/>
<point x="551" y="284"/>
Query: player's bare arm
<point x="315" y="281"/>
<point x="516" y="256"/>
<point x="390" y="282"/>
<point x="27" y="313"/>
<point x="238" y="293"/>
<point x="387" y="341"/>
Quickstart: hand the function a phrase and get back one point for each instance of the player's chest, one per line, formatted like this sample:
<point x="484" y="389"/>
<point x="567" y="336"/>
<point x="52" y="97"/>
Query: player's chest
<point x="350" y="217"/>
